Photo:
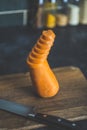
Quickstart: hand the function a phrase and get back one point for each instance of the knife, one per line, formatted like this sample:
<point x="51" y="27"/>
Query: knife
<point x="29" y="112"/>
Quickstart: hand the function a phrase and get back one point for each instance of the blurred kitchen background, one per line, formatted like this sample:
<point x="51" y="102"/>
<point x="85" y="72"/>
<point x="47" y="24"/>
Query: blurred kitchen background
<point x="21" y="24"/>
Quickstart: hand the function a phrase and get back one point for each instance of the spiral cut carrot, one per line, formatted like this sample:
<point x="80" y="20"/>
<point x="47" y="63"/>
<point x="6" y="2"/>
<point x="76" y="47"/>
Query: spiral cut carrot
<point x="41" y="74"/>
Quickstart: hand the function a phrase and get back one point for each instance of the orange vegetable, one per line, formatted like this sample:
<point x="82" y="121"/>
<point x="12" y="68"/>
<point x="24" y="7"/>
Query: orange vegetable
<point x="41" y="74"/>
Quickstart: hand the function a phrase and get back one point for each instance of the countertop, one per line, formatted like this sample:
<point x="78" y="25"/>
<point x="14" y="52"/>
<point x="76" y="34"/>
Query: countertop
<point x="69" y="103"/>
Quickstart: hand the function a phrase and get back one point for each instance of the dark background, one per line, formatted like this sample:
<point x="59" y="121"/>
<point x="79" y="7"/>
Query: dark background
<point x="70" y="48"/>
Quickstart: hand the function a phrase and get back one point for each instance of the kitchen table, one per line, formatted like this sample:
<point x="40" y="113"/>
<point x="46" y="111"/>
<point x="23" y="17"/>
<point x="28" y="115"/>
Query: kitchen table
<point x="70" y="103"/>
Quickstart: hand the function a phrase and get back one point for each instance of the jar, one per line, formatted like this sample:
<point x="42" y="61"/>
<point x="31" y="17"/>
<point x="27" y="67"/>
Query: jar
<point x="40" y="14"/>
<point x="73" y="12"/>
<point x="83" y="12"/>
<point x="50" y="13"/>
<point x="61" y="16"/>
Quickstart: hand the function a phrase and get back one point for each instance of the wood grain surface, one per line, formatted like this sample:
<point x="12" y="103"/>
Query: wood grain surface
<point x="69" y="103"/>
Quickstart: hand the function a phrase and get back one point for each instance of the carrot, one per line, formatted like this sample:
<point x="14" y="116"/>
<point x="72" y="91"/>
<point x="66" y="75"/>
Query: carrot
<point x="41" y="74"/>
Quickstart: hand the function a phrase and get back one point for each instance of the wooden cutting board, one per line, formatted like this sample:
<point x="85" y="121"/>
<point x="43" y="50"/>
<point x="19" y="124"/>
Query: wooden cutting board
<point x="70" y="103"/>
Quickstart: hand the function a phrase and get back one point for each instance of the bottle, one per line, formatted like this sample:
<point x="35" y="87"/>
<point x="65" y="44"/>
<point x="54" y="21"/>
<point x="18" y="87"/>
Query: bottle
<point x="62" y="17"/>
<point x="40" y="14"/>
<point x="50" y="13"/>
<point x="74" y="12"/>
<point x="83" y="12"/>
<point x="42" y="77"/>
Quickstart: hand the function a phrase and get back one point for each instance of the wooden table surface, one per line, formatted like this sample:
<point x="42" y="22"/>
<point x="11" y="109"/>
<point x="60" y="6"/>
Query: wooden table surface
<point x="70" y="103"/>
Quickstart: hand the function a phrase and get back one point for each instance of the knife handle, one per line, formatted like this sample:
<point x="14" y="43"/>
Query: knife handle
<point x="54" y="121"/>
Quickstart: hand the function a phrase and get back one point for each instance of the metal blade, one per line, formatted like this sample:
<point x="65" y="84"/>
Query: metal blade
<point x="15" y="108"/>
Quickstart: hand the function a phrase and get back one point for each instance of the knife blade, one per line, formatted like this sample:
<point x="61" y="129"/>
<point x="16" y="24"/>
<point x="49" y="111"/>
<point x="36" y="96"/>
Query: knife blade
<point x="29" y="112"/>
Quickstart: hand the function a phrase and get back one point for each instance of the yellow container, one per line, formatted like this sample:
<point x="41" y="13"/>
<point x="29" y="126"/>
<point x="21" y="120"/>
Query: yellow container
<point x="50" y="21"/>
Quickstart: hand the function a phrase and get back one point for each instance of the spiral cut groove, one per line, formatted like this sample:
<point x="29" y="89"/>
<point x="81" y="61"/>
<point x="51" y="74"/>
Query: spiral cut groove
<point x="41" y="50"/>
<point x="41" y="74"/>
